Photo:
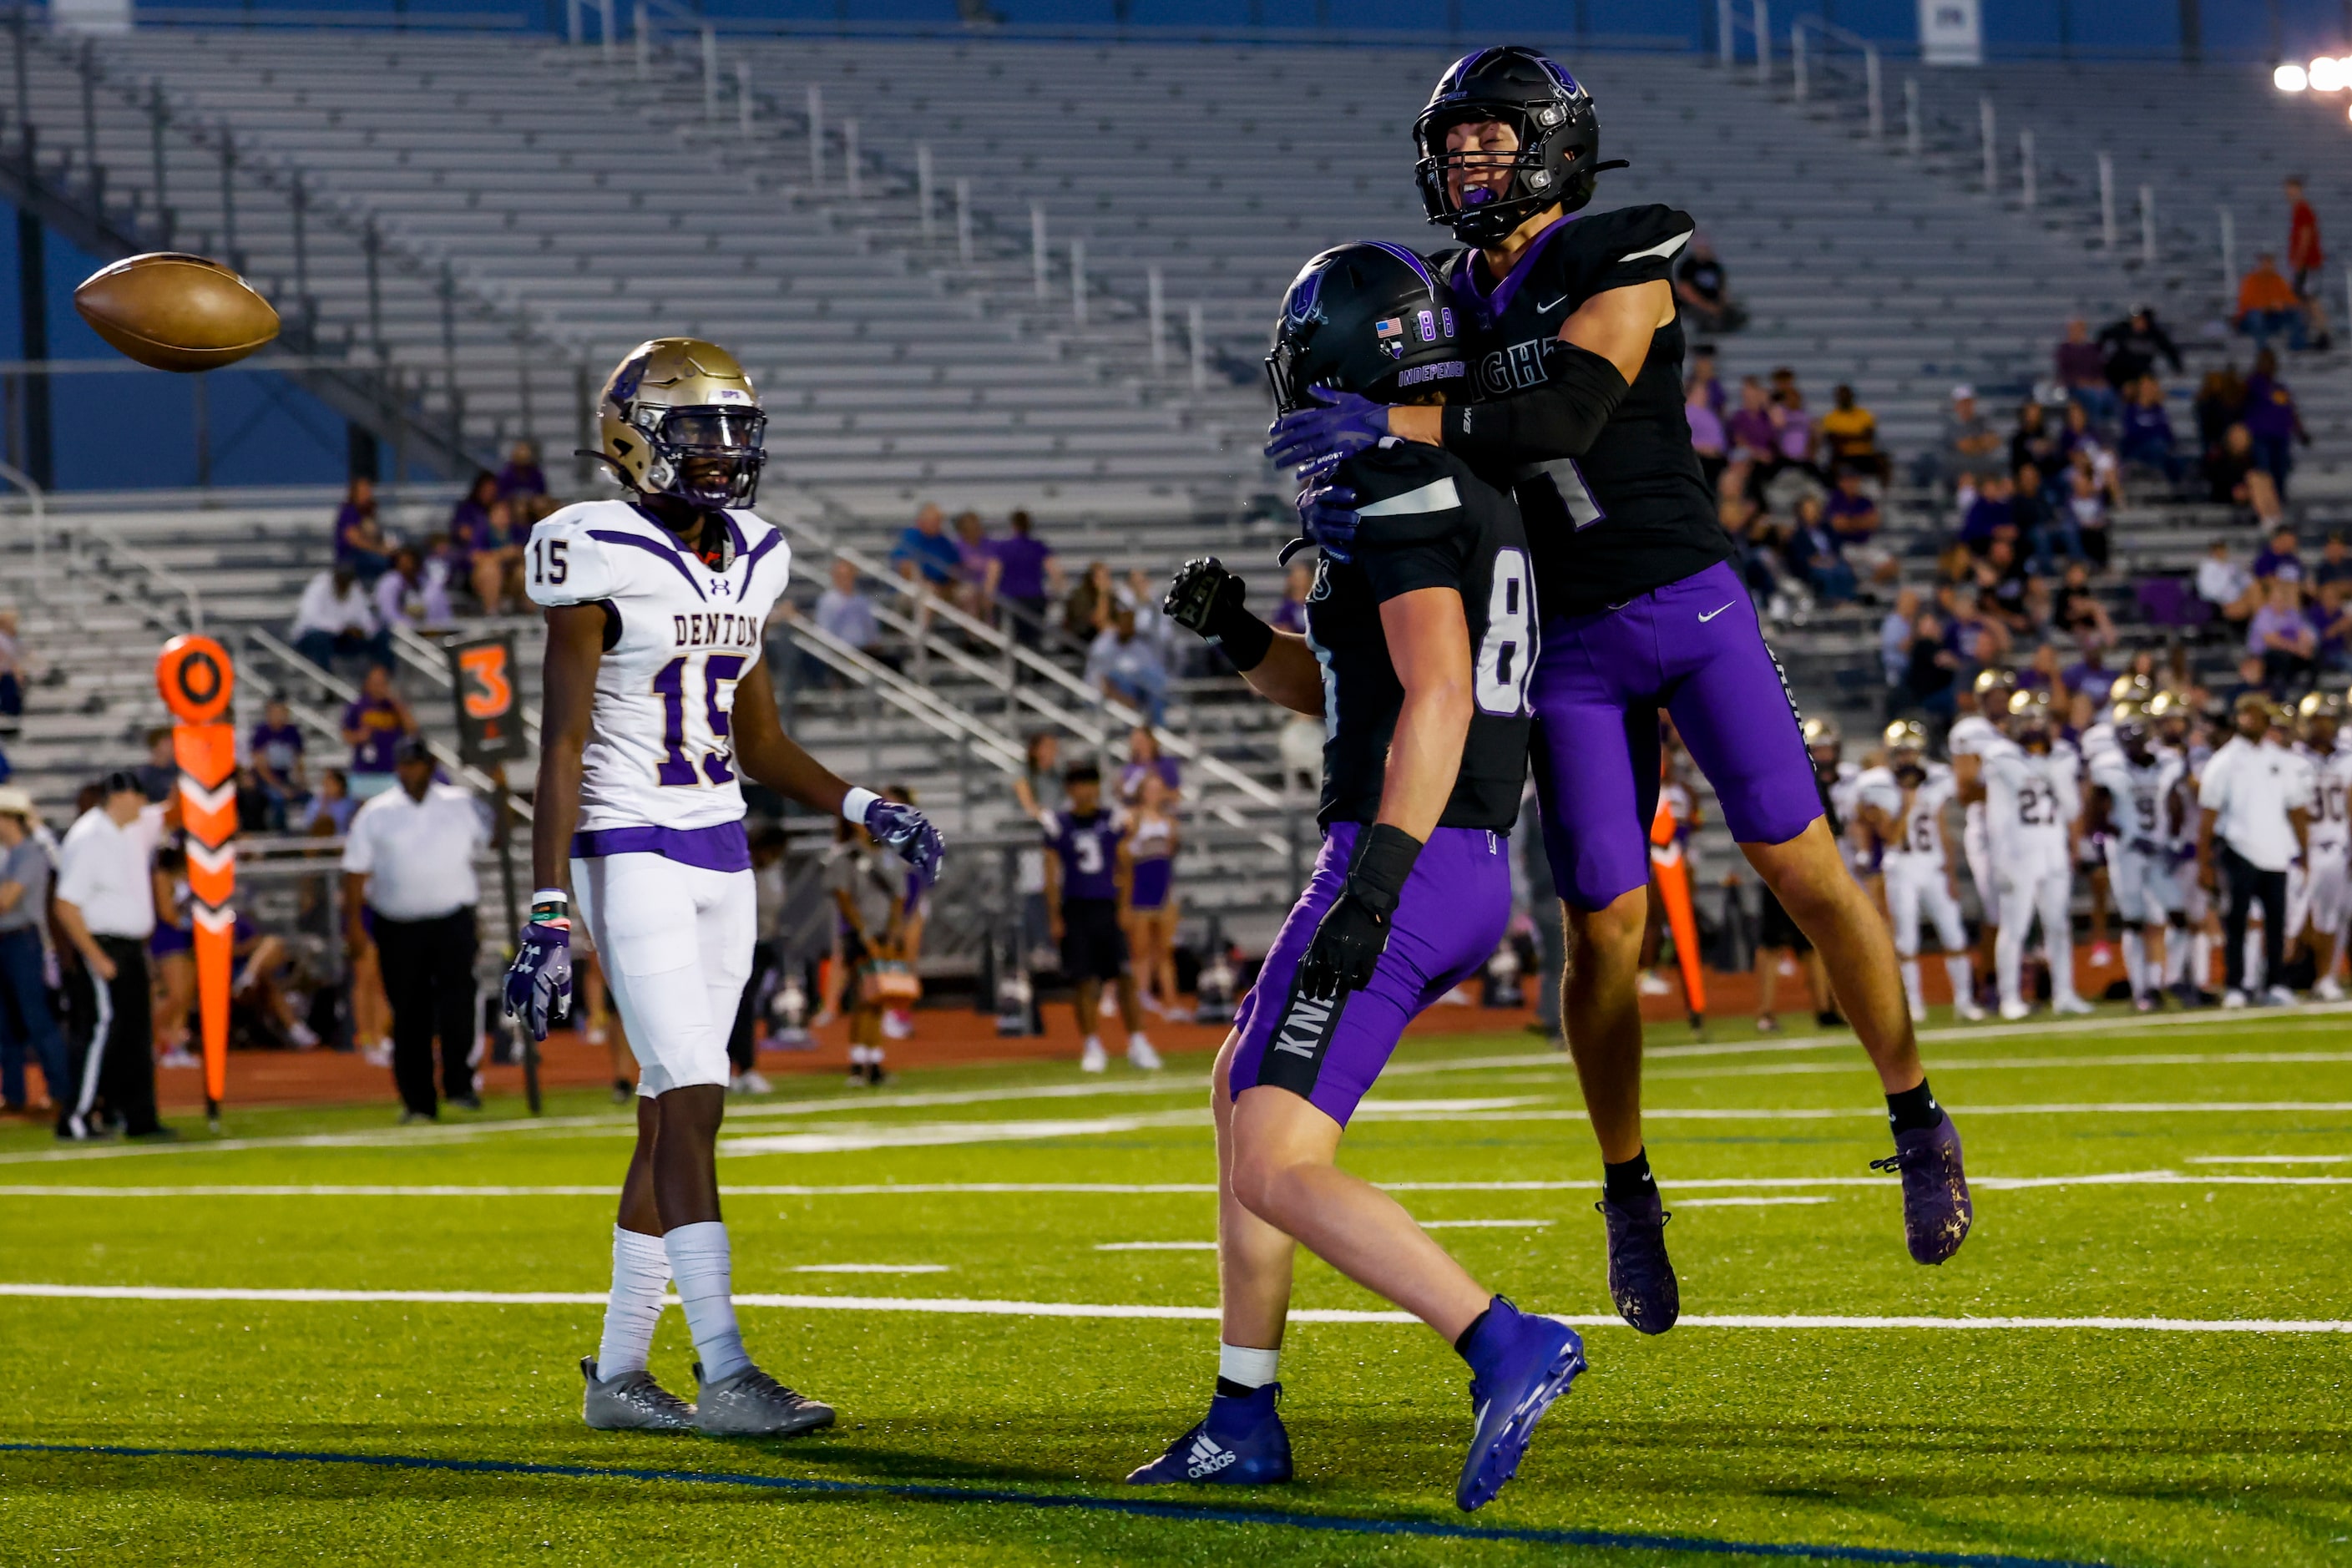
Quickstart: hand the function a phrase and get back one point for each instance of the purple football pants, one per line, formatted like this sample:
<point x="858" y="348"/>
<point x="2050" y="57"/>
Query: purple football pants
<point x="1694" y="648"/>
<point x="1448" y="922"/>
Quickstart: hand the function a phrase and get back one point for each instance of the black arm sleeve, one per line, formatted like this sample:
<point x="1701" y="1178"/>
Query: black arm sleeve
<point x="1561" y="419"/>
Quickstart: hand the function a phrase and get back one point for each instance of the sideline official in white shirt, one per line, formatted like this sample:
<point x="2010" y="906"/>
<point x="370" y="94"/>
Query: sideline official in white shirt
<point x="106" y="906"/>
<point x="2256" y="818"/>
<point x="408" y="862"/>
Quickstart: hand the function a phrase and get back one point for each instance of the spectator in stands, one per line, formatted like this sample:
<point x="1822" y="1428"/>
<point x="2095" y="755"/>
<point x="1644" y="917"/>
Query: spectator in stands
<point x="1850" y="433"/>
<point x="1894" y="635"/>
<point x="2082" y="370"/>
<point x="2304" y="258"/>
<point x="521" y="476"/>
<point x="1703" y="385"/>
<point x="330" y="806"/>
<point x="975" y="563"/>
<point x="2034" y="440"/>
<point x="273" y="750"/>
<point x="2284" y="637"/>
<point x="13" y="675"/>
<point x="2335" y="561"/>
<point x="2146" y="430"/>
<point x="471" y="515"/>
<point x="2331" y="614"/>
<point x="360" y="542"/>
<point x="496" y="559"/>
<point x="27" y="1022"/>
<point x="1144" y="756"/>
<point x="2043" y="529"/>
<point x="1754" y="437"/>
<point x="159" y="775"/>
<point x="1992" y="512"/>
<point x="1702" y="288"/>
<point x="2268" y="306"/>
<point x="1971" y="447"/>
<point x="374" y="723"/>
<point x="1025" y="576"/>
<point x="411" y="595"/>
<point x="1793" y="433"/>
<point x="2132" y="345"/>
<point x="2279" y="558"/>
<point x="2237" y="478"/>
<point x="1128" y="666"/>
<point x="1087" y="610"/>
<point x="2079" y="612"/>
<point x="1813" y="553"/>
<point x="1931" y="676"/>
<point x="335" y="618"/>
<point x="1709" y="437"/>
<point x="2005" y="589"/>
<point x="1297" y="581"/>
<point x="2229" y="587"/>
<point x="2087" y="502"/>
<point x="842" y="612"/>
<point x="2220" y="402"/>
<point x="2273" y="420"/>
<point x="1855" y="520"/>
<point x="925" y="554"/>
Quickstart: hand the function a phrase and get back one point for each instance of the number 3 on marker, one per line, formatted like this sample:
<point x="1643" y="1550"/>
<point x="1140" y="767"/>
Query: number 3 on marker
<point x="488" y="693"/>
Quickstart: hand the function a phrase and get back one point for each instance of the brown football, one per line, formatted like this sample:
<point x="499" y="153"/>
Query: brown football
<point x="175" y="311"/>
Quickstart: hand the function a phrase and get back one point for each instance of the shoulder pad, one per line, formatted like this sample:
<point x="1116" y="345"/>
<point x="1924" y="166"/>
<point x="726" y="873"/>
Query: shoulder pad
<point x="1405" y="491"/>
<point x="768" y="552"/>
<point x="1634" y="234"/>
<point x="565" y="564"/>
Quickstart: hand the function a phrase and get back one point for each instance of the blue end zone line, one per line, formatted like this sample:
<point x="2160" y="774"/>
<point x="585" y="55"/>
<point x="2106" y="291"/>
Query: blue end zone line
<point x="1137" y="1508"/>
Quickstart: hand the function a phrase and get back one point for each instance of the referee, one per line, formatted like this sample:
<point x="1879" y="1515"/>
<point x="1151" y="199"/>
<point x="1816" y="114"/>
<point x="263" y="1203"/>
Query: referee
<point x="106" y="906"/>
<point x="408" y="859"/>
<point x="2255" y="821"/>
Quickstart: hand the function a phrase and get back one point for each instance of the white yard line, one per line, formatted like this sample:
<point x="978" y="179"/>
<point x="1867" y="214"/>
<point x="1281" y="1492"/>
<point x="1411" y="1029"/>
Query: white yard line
<point x="2268" y="1159"/>
<point x="1483" y="1223"/>
<point x="871" y="1269"/>
<point x="957" y="1306"/>
<point x="1744" y="1202"/>
<point x="1155" y="1246"/>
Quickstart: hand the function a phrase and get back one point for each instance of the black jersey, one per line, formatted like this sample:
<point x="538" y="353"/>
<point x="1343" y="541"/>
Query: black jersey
<point x="1428" y="523"/>
<point x="1634" y="512"/>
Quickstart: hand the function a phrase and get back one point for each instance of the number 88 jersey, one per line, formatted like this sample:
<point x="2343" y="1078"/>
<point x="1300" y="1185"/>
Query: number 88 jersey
<point x="1427" y="522"/>
<point x="678" y="635"/>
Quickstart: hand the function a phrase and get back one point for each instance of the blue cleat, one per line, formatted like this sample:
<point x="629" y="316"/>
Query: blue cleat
<point x="1241" y="1443"/>
<point x="1519" y="1365"/>
<point x="1936" y="1210"/>
<point x="1641" y="1276"/>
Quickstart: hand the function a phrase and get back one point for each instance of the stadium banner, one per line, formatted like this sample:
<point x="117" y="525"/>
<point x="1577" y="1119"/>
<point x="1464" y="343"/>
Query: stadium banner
<point x="490" y="711"/>
<point x="196" y="679"/>
<point x="1951" y="33"/>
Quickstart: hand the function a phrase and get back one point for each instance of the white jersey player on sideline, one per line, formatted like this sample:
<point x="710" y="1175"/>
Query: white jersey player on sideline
<point x="2032" y="796"/>
<point x="2326" y="875"/>
<point x="1972" y="734"/>
<point x="655" y="699"/>
<point x="1903" y="802"/>
<point x="2140" y="800"/>
<point x="1839" y="779"/>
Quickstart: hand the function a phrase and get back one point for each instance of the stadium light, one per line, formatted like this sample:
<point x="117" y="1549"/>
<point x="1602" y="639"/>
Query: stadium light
<point x="2325" y="75"/>
<point x="2290" y="79"/>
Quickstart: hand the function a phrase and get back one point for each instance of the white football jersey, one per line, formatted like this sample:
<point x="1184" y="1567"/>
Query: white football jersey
<point x="2030" y="801"/>
<point x="2097" y="743"/>
<point x="660" y="751"/>
<point x="1919" y="844"/>
<point x="2331" y="778"/>
<point x="1971" y="735"/>
<point x="2143" y="798"/>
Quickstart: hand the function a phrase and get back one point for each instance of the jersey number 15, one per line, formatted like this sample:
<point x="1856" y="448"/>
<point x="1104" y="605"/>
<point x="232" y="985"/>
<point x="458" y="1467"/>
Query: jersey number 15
<point x="716" y="694"/>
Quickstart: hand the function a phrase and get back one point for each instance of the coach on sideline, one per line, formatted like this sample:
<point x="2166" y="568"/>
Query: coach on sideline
<point x="106" y="906"/>
<point x="2257" y="802"/>
<point x="26" y="1019"/>
<point x="409" y="856"/>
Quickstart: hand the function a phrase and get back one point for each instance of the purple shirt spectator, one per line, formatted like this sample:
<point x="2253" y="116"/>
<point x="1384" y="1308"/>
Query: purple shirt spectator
<point x="1021" y="565"/>
<point x="1852" y="516"/>
<point x="379" y="718"/>
<point x="2279" y="563"/>
<point x="522" y="478"/>
<point x="2082" y="364"/>
<point x="1985" y="516"/>
<point x="2270" y="409"/>
<point x="1708" y="434"/>
<point x="2271" y="620"/>
<point x="1130" y="777"/>
<point x="276" y="747"/>
<point x="1290" y="616"/>
<point x="1088" y="850"/>
<point x="1751" y="431"/>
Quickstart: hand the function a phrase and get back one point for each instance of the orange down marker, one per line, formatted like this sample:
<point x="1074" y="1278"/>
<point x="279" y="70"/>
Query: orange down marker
<point x="195" y="677"/>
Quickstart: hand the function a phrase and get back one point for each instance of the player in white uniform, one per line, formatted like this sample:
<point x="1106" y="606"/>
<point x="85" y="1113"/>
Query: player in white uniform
<point x="1839" y="779"/>
<point x="1903" y="804"/>
<point x="2032" y="799"/>
<point x="655" y="699"/>
<point x="1971" y="735"/>
<point x="2328" y="878"/>
<point x="2139" y="800"/>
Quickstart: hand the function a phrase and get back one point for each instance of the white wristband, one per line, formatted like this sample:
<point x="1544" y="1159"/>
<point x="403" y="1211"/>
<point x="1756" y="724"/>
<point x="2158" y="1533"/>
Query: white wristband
<point x="853" y="805"/>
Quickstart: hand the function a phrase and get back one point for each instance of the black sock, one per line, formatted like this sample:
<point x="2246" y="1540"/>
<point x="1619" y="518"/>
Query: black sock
<point x="1228" y="1389"/>
<point x="1629" y="1182"/>
<point x="1462" y="1342"/>
<point x="1914" y="1110"/>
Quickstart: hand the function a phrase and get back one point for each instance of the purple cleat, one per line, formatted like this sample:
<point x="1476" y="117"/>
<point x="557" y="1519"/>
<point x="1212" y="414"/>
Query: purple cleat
<point x="1519" y="1365"/>
<point x="1641" y="1277"/>
<point x="1936" y="1207"/>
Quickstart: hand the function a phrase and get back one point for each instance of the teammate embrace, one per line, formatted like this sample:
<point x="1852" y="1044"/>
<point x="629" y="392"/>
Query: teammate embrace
<point x="1497" y="470"/>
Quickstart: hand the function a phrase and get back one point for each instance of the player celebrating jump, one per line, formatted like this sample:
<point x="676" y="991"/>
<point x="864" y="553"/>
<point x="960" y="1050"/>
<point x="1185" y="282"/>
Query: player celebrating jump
<point x="656" y="698"/>
<point x="1582" y="369"/>
<point x="1416" y="653"/>
<point x="1903" y="802"/>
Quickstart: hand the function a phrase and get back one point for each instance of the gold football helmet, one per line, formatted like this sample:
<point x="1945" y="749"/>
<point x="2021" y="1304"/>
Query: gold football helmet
<point x="1992" y="688"/>
<point x="2131" y="687"/>
<point x="680" y="417"/>
<point x="1906" y="735"/>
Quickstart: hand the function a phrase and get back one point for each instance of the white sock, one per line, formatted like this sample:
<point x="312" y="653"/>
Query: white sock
<point x="2200" y="959"/>
<point x="1094" y="1043"/>
<point x="1963" y="976"/>
<point x="1911" y="984"/>
<point x="640" y="1278"/>
<point x="698" y="1262"/>
<point x="1135" y="1038"/>
<point x="2136" y="962"/>
<point x="1250" y="1368"/>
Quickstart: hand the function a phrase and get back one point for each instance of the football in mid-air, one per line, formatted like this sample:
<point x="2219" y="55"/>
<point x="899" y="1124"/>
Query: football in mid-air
<point x="175" y="311"/>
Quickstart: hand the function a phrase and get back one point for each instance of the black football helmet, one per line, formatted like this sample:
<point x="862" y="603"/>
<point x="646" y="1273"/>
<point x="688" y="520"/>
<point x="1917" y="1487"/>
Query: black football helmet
<point x="1559" y="132"/>
<point x="1368" y="318"/>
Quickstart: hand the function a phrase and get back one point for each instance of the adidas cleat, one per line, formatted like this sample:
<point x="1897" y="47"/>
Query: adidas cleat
<point x="1641" y="1276"/>
<point x="1936" y="1210"/>
<point x="631" y="1402"/>
<point x="750" y="1404"/>
<point x="1519" y="1365"/>
<point x="1241" y="1443"/>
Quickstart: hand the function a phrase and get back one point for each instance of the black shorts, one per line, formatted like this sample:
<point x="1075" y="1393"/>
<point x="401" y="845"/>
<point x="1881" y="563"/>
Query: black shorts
<point x="1774" y="929"/>
<point x="1092" y="945"/>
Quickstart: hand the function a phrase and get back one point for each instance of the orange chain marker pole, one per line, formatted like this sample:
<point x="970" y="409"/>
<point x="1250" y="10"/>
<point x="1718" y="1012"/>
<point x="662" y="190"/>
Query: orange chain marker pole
<point x="195" y="677"/>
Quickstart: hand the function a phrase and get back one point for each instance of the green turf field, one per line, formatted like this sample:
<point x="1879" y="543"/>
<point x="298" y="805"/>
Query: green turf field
<point x="2149" y="1176"/>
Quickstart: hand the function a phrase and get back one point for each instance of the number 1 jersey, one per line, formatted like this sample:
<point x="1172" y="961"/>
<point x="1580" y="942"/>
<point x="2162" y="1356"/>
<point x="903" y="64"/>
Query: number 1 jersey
<point x="678" y="635"/>
<point x="1428" y="523"/>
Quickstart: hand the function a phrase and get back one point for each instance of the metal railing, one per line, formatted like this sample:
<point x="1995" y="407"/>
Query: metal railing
<point x="1819" y="69"/>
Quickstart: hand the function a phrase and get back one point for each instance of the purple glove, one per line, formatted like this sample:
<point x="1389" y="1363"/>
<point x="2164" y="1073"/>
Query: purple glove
<point x="539" y="981"/>
<point x="1328" y="516"/>
<point x="1318" y="437"/>
<point x="911" y="832"/>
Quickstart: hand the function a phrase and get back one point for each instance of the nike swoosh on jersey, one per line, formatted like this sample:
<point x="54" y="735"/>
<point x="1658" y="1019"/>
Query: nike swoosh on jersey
<point x="1717" y="611"/>
<point x="1664" y="247"/>
<point x="1438" y="495"/>
<point x="1551" y="304"/>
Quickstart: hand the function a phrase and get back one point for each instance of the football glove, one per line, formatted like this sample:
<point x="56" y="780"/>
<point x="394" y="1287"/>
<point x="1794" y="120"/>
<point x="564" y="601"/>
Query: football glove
<point x="911" y="832"/>
<point x="1318" y="437"/>
<point x="539" y="981"/>
<point x="1211" y="603"/>
<point x="1327" y="513"/>
<point x="1354" y="932"/>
